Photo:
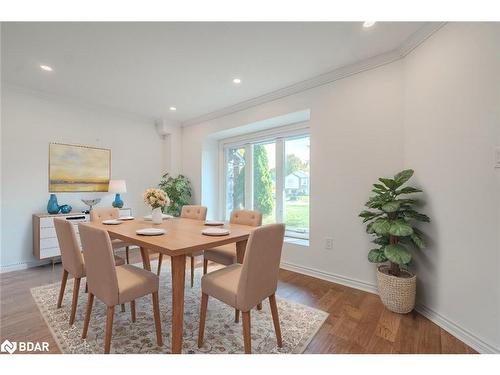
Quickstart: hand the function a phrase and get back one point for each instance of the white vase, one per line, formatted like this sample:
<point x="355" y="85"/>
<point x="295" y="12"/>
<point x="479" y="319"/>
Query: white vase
<point x="157" y="215"/>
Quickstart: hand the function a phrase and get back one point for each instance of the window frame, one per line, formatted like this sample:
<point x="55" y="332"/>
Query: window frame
<point x="278" y="135"/>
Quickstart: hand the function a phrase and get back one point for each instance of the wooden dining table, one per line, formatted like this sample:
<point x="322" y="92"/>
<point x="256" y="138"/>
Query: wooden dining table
<point x="182" y="238"/>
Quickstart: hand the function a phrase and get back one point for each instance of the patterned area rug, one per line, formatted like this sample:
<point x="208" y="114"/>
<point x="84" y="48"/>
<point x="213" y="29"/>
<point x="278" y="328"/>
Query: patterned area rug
<point x="299" y="323"/>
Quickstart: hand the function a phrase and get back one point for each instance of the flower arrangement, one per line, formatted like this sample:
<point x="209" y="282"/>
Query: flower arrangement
<point x="156" y="198"/>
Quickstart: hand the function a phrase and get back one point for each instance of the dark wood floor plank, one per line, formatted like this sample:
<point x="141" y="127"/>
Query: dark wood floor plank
<point x="357" y="321"/>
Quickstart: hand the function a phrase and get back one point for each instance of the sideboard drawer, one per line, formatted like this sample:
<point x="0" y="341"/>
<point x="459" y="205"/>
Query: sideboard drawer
<point x="46" y="232"/>
<point x="47" y="243"/>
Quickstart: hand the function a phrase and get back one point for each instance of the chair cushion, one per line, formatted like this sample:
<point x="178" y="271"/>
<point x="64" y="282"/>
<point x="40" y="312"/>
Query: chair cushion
<point x="119" y="261"/>
<point x="222" y="284"/>
<point x="134" y="282"/>
<point x="225" y="254"/>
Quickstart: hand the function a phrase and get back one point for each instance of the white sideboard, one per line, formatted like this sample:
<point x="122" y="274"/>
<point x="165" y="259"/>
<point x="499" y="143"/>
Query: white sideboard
<point x="45" y="244"/>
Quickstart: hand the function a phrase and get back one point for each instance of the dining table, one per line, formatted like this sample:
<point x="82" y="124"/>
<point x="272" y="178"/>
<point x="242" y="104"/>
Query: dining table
<point x="182" y="238"/>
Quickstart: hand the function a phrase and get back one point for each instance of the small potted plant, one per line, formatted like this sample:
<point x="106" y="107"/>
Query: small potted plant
<point x="157" y="199"/>
<point x="391" y="220"/>
<point x="178" y="189"/>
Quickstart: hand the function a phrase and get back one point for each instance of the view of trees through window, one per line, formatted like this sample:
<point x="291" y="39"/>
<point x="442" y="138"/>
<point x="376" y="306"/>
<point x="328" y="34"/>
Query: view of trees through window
<point x="286" y="200"/>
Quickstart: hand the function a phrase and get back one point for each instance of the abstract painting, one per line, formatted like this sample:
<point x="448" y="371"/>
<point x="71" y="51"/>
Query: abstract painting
<point x="78" y="168"/>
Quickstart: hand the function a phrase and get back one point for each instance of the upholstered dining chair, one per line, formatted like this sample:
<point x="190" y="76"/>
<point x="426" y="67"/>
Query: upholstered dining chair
<point x="101" y="214"/>
<point x="72" y="261"/>
<point x="114" y="285"/>
<point x="189" y="212"/>
<point x="243" y="286"/>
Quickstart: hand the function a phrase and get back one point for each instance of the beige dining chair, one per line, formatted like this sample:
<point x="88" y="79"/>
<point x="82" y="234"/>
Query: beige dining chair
<point x="101" y="214"/>
<point x="72" y="261"/>
<point x="114" y="285"/>
<point x="226" y="254"/>
<point x="189" y="212"/>
<point x="243" y="286"/>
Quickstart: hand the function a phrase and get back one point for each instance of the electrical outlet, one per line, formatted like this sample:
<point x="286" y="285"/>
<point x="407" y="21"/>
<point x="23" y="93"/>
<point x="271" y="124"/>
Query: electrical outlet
<point x="328" y="243"/>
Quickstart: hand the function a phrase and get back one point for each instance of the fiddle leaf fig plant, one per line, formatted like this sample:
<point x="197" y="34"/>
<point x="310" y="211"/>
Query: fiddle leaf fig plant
<point x="178" y="189"/>
<point x="391" y="219"/>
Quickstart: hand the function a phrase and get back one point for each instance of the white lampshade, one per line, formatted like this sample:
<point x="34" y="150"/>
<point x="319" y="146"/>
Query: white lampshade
<point x="117" y="186"/>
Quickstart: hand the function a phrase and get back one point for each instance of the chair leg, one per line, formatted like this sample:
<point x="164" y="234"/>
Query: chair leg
<point x="160" y="259"/>
<point x="192" y="271"/>
<point x="236" y="315"/>
<point x="86" y="321"/>
<point x="109" y="328"/>
<point x="156" y="313"/>
<point x="203" y="315"/>
<point x="123" y="307"/>
<point x="205" y="266"/>
<point x="276" y="320"/>
<point x="76" y="290"/>
<point x="259" y="306"/>
<point x="132" y="310"/>
<point x="247" y="338"/>
<point x="126" y="254"/>
<point x="63" y="287"/>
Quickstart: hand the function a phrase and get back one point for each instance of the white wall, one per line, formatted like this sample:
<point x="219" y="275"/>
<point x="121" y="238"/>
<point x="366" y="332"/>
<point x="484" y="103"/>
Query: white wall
<point x="29" y="123"/>
<point x="452" y="121"/>
<point x="356" y="135"/>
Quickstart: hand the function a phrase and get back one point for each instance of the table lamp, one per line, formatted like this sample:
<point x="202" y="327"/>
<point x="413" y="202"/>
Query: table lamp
<point x="117" y="186"/>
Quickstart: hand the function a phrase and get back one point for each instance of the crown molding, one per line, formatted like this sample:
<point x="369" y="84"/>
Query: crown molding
<point x="409" y="45"/>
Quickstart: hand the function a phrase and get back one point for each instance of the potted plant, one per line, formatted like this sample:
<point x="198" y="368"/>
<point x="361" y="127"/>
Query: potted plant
<point x="178" y="189"/>
<point x="391" y="220"/>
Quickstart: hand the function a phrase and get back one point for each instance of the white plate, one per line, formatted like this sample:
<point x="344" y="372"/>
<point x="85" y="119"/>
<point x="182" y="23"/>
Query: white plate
<point x="164" y="217"/>
<point x="112" y="222"/>
<point x="150" y="231"/>
<point x="215" y="232"/>
<point x="214" y="223"/>
<point x="126" y="218"/>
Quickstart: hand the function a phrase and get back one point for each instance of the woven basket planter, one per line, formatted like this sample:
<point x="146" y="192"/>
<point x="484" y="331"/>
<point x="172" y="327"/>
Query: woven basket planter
<point x="397" y="293"/>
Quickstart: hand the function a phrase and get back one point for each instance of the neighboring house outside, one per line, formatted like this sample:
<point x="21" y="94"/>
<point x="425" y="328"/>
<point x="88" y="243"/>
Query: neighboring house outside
<point x="297" y="183"/>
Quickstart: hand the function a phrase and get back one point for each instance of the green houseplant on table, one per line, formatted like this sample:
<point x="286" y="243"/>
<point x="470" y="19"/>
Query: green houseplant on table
<point x="178" y="189"/>
<point x="391" y="219"/>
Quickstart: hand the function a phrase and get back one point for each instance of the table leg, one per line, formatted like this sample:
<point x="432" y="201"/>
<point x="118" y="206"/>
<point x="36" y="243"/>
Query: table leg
<point x="145" y="259"/>
<point x="240" y="250"/>
<point x="178" y="277"/>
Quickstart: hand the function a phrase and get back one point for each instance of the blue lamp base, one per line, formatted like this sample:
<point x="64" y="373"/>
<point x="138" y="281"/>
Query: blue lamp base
<point x="118" y="203"/>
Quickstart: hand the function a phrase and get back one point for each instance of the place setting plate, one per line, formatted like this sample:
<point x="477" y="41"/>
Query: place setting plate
<point x="150" y="231"/>
<point x="125" y="218"/>
<point x="164" y="217"/>
<point x="112" y="222"/>
<point x="214" y="223"/>
<point x="215" y="232"/>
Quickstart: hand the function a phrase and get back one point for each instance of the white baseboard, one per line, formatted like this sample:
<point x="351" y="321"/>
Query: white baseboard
<point x="339" y="279"/>
<point x="460" y="333"/>
<point x="454" y="329"/>
<point x="23" y="265"/>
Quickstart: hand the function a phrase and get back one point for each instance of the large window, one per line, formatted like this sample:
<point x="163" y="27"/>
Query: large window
<point x="270" y="173"/>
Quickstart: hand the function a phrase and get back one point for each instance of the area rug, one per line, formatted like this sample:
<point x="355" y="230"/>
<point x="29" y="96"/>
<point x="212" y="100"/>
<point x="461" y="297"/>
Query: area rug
<point x="299" y="323"/>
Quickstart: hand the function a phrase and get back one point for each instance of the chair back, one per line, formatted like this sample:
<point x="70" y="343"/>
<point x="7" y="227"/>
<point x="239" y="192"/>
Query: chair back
<point x="246" y="217"/>
<point x="71" y="254"/>
<point x="259" y="273"/>
<point x="101" y="214"/>
<point x="99" y="263"/>
<point x="194" y="212"/>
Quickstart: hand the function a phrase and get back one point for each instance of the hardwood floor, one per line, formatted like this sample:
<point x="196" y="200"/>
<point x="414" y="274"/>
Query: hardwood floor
<point x="358" y="322"/>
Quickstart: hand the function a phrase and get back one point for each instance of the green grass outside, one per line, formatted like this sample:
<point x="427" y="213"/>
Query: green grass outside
<point x="296" y="212"/>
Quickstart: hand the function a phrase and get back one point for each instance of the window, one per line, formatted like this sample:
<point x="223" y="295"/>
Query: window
<point x="270" y="173"/>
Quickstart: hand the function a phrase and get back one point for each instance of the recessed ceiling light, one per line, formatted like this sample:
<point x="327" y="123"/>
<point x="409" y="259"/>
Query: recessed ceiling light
<point x="368" y="24"/>
<point x="237" y="81"/>
<point x="173" y="109"/>
<point x="46" y="68"/>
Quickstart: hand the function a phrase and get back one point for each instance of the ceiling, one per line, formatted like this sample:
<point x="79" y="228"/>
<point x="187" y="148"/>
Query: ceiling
<point x="145" y="68"/>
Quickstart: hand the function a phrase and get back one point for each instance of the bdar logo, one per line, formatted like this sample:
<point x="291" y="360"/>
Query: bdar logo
<point x="9" y="347"/>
